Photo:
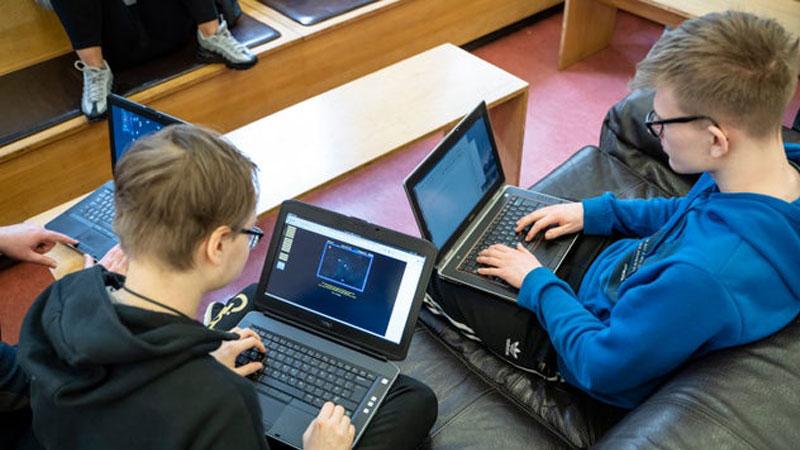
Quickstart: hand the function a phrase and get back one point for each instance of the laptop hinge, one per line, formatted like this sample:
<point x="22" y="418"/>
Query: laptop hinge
<point x="316" y="332"/>
<point x="472" y="226"/>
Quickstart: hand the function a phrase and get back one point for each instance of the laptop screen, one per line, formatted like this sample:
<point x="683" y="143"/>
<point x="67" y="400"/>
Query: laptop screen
<point x="129" y="121"/>
<point x="346" y="278"/>
<point x="461" y="177"/>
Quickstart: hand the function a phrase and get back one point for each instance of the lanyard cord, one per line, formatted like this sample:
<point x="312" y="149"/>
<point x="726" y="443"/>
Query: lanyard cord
<point x="148" y="299"/>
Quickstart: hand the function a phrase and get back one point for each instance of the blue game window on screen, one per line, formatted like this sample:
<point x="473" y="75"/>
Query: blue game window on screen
<point x="453" y="187"/>
<point x="129" y="126"/>
<point x="345" y="277"/>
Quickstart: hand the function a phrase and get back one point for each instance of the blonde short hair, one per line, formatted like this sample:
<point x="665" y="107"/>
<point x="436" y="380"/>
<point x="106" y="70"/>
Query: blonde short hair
<point x="174" y="187"/>
<point x="733" y="66"/>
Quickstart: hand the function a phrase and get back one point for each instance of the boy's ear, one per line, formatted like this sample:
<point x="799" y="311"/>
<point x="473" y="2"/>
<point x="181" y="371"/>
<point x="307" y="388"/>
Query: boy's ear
<point x="719" y="142"/>
<point x="214" y="244"/>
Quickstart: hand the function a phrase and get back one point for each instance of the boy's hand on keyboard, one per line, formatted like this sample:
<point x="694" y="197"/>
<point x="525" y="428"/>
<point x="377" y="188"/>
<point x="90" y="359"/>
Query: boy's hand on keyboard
<point x="227" y="352"/>
<point x="331" y="430"/>
<point x="510" y="264"/>
<point x="114" y="261"/>
<point x="565" y="218"/>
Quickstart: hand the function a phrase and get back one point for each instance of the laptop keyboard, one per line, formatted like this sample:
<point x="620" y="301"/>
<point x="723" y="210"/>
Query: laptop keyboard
<point x="501" y="231"/>
<point x="292" y="370"/>
<point x="100" y="209"/>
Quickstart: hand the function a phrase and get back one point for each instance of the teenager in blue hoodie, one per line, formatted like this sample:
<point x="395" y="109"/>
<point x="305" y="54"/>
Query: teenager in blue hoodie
<point x="714" y="269"/>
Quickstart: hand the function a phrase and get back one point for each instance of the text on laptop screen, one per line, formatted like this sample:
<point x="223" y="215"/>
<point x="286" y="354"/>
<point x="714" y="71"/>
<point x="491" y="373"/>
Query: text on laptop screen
<point x="128" y="127"/>
<point x="453" y="187"/>
<point x="344" y="277"/>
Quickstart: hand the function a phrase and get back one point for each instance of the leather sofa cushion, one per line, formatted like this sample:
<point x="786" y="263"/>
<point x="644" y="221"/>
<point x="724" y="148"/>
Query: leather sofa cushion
<point x="739" y="398"/>
<point x="310" y="12"/>
<point x="472" y="413"/>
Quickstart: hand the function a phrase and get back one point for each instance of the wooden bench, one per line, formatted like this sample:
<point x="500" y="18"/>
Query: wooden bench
<point x="318" y="140"/>
<point x="589" y="24"/>
<point x="60" y="163"/>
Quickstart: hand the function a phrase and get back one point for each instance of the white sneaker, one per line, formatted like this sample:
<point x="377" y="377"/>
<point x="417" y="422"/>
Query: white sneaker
<point x="223" y="47"/>
<point x="97" y="84"/>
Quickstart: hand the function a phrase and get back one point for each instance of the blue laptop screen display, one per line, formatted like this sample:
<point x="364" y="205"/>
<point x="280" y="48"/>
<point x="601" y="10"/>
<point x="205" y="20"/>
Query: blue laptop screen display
<point x="453" y="187"/>
<point x="344" y="277"/>
<point x="128" y="127"/>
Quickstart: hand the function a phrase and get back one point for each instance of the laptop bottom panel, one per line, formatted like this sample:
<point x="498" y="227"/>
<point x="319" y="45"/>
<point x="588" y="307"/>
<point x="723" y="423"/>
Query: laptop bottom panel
<point x="95" y="238"/>
<point x="303" y="370"/>
<point x="461" y="268"/>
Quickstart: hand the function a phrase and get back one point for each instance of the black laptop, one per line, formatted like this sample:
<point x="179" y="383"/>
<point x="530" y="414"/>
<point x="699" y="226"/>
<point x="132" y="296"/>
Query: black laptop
<point x="462" y="205"/>
<point x="337" y="300"/>
<point x="90" y="220"/>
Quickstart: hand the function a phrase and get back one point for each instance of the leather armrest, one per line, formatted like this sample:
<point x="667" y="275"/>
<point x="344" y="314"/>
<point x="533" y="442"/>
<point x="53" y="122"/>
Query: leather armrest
<point x="744" y="397"/>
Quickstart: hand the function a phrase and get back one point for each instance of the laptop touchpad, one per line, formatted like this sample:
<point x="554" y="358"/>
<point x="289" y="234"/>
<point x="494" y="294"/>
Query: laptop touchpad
<point x="291" y="425"/>
<point x="271" y="408"/>
<point x="94" y="243"/>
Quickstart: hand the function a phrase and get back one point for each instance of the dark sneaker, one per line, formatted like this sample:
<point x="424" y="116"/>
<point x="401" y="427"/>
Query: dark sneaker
<point x="211" y="312"/>
<point x="224" y="316"/>
<point x="222" y="47"/>
<point x="97" y="84"/>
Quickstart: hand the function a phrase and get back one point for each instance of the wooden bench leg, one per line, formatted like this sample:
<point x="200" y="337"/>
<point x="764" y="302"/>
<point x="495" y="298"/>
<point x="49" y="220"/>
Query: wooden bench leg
<point x="508" y="122"/>
<point x="587" y="28"/>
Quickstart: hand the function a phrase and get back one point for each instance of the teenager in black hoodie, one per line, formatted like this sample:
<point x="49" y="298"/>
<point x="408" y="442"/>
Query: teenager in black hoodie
<point x="118" y="362"/>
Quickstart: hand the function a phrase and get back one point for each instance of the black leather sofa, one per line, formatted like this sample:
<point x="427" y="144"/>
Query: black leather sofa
<point x="747" y="397"/>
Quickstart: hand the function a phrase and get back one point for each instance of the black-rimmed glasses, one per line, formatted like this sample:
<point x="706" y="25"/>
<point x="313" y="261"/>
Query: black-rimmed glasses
<point x="655" y="125"/>
<point x="255" y="235"/>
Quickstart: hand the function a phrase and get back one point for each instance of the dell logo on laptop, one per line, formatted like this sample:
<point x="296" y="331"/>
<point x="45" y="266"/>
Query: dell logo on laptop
<point x="327" y="324"/>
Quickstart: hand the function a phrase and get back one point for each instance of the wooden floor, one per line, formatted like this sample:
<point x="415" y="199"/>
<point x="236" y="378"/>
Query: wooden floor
<point x="51" y="167"/>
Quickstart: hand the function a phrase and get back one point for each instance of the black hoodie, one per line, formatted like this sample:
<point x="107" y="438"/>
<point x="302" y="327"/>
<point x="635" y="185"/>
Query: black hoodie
<point x="109" y="376"/>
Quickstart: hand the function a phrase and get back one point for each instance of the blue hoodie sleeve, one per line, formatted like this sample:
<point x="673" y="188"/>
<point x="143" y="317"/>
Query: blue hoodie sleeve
<point x="654" y="328"/>
<point x="606" y="214"/>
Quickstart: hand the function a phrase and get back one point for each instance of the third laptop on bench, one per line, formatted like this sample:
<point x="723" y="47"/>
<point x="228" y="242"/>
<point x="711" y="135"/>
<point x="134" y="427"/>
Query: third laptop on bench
<point x="338" y="300"/>
<point x="90" y="220"/>
<point x="462" y="205"/>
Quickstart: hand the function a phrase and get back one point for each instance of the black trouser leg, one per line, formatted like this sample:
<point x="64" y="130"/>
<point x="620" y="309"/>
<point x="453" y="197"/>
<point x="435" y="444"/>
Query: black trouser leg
<point x="509" y="331"/>
<point x="108" y="24"/>
<point x="82" y="20"/>
<point x="201" y="10"/>
<point x="404" y="419"/>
